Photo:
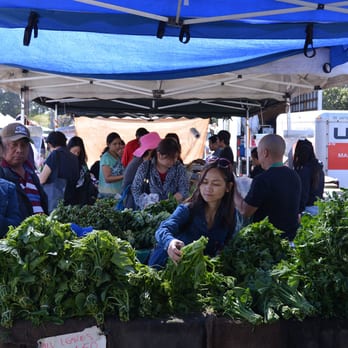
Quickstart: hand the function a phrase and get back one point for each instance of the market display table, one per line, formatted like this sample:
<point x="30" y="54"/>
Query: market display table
<point x="193" y="332"/>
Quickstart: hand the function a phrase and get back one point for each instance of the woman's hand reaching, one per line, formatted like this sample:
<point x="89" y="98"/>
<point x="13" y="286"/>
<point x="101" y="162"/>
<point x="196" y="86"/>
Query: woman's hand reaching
<point x="174" y="250"/>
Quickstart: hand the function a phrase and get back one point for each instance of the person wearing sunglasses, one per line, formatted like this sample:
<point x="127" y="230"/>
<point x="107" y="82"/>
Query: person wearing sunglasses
<point x="276" y="192"/>
<point x="207" y="212"/>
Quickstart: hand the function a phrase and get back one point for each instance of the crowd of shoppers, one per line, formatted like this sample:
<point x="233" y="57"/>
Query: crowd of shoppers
<point x="148" y="169"/>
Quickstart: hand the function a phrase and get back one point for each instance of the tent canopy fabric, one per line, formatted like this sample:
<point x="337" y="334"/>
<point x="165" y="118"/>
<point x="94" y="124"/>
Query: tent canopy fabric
<point x="129" y="57"/>
<point x="204" y="18"/>
<point x="217" y="95"/>
<point x="128" y="51"/>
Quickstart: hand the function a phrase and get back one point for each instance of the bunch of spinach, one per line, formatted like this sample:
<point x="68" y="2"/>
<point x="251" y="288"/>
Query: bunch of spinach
<point x="257" y="246"/>
<point x="181" y="280"/>
<point x="30" y="274"/>
<point x="101" y="216"/>
<point x="321" y="254"/>
<point x="193" y="285"/>
<point x="98" y="268"/>
<point x="256" y="257"/>
<point x="49" y="274"/>
<point x="137" y="227"/>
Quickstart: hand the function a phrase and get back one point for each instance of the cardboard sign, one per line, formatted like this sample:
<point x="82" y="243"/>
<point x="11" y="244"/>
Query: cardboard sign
<point x="89" y="338"/>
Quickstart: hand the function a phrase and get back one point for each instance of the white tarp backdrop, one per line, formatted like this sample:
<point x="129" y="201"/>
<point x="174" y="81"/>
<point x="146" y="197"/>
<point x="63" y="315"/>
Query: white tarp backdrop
<point x="94" y="132"/>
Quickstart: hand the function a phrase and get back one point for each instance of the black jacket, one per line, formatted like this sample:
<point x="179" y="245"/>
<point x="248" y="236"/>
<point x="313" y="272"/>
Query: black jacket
<point x="25" y="207"/>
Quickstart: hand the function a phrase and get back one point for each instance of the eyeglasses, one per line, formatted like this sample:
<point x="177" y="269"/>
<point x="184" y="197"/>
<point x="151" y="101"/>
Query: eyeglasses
<point x="221" y="161"/>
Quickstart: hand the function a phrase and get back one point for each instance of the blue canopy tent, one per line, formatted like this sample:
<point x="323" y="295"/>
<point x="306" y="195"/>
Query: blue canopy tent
<point x="261" y="19"/>
<point x="146" y="55"/>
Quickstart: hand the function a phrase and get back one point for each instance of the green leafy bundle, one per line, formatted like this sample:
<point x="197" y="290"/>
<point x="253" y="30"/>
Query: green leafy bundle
<point x="30" y="274"/>
<point x="49" y="274"/>
<point x="181" y="281"/>
<point x="253" y="257"/>
<point x="137" y="227"/>
<point x="275" y="299"/>
<point x="256" y="246"/>
<point x="101" y="216"/>
<point x="193" y="285"/>
<point x="321" y="255"/>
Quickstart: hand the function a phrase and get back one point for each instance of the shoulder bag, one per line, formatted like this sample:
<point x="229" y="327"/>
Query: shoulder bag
<point x="146" y="183"/>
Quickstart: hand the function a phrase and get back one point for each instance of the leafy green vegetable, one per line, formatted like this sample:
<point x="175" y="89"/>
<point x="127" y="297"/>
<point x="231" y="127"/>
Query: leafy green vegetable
<point x="321" y="254"/>
<point x="256" y="246"/>
<point x="137" y="227"/>
<point x="48" y="274"/>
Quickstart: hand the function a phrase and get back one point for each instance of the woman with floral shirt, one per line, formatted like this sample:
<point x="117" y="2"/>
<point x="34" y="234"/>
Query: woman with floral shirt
<point x="165" y="174"/>
<point x="111" y="168"/>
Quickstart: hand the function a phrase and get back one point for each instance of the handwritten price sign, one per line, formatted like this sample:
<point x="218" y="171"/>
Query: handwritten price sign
<point x="89" y="338"/>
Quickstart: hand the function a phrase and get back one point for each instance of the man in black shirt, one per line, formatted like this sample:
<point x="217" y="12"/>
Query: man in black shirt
<point x="274" y="193"/>
<point x="223" y="139"/>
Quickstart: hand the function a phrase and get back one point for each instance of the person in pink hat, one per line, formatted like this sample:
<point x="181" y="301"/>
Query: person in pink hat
<point x="148" y="143"/>
<point x="161" y="177"/>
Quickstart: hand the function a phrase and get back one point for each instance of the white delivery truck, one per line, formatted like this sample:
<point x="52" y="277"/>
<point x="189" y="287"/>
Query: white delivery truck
<point x="327" y="130"/>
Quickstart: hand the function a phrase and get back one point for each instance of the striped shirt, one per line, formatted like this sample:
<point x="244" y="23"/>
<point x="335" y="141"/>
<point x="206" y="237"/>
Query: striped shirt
<point x="31" y="191"/>
<point x="28" y="186"/>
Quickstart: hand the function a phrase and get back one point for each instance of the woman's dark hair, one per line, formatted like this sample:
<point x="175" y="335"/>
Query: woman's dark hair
<point x="173" y="136"/>
<point x="226" y="208"/>
<point x="168" y="147"/>
<point x="213" y="138"/>
<point x="109" y="139"/>
<point x="254" y="153"/>
<point x="77" y="141"/>
<point x="224" y="136"/>
<point x="56" y="138"/>
<point x="177" y="139"/>
<point x="304" y="155"/>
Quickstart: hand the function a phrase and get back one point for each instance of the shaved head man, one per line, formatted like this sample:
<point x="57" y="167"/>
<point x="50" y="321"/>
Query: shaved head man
<point x="276" y="192"/>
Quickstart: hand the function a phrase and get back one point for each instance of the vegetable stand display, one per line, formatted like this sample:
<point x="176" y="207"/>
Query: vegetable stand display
<point x="259" y="292"/>
<point x="195" y="332"/>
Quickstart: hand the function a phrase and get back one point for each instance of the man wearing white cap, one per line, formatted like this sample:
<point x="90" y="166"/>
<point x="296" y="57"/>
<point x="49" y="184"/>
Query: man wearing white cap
<point x="16" y="168"/>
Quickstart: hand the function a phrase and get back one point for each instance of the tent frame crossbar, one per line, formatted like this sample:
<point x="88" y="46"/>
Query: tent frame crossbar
<point x="302" y="6"/>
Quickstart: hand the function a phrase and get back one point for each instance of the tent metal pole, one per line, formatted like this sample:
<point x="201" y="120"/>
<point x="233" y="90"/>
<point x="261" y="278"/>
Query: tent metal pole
<point x="247" y="147"/>
<point x="288" y="116"/>
<point x="124" y="9"/>
<point x="131" y="104"/>
<point x="320" y="99"/>
<point x="222" y="105"/>
<point x="124" y="87"/>
<point x="254" y="89"/>
<point x="247" y="15"/>
<point x="287" y="83"/>
<point x="178" y="9"/>
<point x="55" y="116"/>
<point x="335" y="7"/>
<point x="24" y="103"/>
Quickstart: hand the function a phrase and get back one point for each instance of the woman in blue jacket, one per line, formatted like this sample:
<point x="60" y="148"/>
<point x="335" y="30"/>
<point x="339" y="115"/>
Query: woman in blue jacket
<point x="9" y="211"/>
<point x="209" y="212"/>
